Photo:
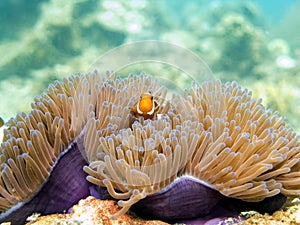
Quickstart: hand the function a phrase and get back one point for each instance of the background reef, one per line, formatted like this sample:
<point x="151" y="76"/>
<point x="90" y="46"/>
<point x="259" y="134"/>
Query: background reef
<point x="247" y="41"/>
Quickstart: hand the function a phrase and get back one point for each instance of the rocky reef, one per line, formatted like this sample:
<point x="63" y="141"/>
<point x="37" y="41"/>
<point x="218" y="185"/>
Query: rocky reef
<point x="54" y="38"/>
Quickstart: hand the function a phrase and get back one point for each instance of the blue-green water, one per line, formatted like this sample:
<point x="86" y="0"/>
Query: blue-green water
<point x="254" y="42"/>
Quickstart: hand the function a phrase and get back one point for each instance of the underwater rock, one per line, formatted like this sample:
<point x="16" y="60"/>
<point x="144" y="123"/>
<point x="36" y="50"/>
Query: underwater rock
<point x="93" y="211"/>
<point x="240" y="41"/>
<point x="278" y="47"/>
<point x="289" y="215"/>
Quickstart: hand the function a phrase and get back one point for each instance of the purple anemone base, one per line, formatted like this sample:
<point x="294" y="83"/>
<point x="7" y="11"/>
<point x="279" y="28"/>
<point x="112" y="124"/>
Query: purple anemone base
<point x="188" y="200"/>
<point x="66" y="185"/>
<point x="185" y="198"/>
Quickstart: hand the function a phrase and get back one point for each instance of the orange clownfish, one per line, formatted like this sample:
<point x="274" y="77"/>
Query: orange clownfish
<point x="146" y="106"/>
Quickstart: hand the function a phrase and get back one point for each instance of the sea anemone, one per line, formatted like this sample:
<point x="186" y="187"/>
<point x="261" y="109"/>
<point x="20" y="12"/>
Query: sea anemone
<point x="41" y="165"/>
<point x="214" y="141"/>
<point x="216" y="135"/>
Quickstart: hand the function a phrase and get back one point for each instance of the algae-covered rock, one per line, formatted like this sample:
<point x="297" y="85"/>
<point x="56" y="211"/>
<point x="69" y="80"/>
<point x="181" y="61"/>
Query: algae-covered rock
<point x="242" y="45"/>
<point x="93" y="211"/>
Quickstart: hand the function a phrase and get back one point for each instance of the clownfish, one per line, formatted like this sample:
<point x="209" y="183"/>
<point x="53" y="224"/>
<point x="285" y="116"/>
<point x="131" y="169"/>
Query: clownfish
<point x="146" y="107"/>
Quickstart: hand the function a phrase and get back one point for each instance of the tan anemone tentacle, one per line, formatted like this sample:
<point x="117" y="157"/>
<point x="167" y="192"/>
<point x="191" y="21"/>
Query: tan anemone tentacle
<point x="215" y="132"/>
<point x="133" y="163"/>
<point x="33" y="141"/>
<point x="250" y="150"/>
<point x="141" y="169"/>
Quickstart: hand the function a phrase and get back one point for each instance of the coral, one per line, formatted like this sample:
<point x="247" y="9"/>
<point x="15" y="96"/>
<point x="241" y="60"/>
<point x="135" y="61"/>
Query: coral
<point x="289" y="215"/>
<point x="278" y="47"/>
<point x="286" y="102"/>
<point x="55" y="38"/>
<point x="21" y="14"/>
<point x="92" y="211"/>
<point x="123" y="16"/>
<point x="241" y="48"/>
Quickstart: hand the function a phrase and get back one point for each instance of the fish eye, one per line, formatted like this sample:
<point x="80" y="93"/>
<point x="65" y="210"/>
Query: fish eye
<point x="140" y="97"/>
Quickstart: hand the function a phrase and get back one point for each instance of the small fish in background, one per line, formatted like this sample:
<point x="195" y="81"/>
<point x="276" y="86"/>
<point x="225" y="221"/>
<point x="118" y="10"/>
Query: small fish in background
<point x="2" y="127"/>
<point x="146" y="108"/>
<point x="1" y="122"/>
